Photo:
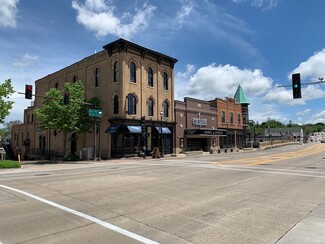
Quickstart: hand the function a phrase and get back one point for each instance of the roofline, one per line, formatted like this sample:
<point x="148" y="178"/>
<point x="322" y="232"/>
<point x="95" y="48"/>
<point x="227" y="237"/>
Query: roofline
<point x="123" y="45"/>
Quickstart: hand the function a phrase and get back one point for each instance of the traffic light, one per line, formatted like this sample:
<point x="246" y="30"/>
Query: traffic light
<point x="143" y="124"/>
<point x="28" y="91"/>
<point x="296" y="86"/>
<point x="66" y="98"/>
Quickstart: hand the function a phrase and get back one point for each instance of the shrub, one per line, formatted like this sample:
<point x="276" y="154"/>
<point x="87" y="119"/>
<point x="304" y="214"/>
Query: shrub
<point x="5" y="164"/>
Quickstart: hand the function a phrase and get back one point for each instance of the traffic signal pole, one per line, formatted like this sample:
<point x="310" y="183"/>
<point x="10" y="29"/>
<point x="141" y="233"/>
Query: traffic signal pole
<point x="296" y="85"/>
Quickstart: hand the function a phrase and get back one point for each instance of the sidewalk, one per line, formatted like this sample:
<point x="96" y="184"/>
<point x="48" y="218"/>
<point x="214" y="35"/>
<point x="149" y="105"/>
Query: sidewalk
<point x="310" y="230"/>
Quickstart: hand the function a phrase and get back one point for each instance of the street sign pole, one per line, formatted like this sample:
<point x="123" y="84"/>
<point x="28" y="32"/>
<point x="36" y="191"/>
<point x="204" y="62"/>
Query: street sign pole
<point x="96" y="114"/>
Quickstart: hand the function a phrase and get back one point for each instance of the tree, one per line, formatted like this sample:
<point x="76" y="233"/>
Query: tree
<point x="6" y="90"/>
<point x="5" y="131"/>
<point x="54" y="114"/>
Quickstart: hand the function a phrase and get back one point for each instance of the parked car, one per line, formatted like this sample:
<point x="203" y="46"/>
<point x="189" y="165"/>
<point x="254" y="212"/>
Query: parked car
<point x="322" y="141"/>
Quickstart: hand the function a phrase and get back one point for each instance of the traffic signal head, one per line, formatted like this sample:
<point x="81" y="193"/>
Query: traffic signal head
<point x="296" y="86"/>
<point x="28" y="91"/>
<point x="66" y="98"/>
<point x="143" y="124"/>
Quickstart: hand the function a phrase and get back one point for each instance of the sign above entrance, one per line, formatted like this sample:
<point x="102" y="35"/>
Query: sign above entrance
<point x="199" y="122"/>
<point x="205" y="132"/>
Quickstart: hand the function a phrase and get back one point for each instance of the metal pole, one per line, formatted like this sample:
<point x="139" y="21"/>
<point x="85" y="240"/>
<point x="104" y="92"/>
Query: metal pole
<point x="235" y="141"/>
<point x="227" y="139"/>
<point x="161" y="136"/>
<point x="95" y="148"/>
<point x="99" y="152"/>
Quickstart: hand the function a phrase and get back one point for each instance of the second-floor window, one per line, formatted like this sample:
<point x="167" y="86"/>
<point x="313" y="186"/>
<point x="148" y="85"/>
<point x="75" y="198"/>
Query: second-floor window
<point x="165" y="108"/>
<point x="96" y="77"/>
<point x="150" y="107"/>
<point x="116" y="72"/>
<point x="133" y="72"/>
<point x="165" y="81"/>
<point x="132" y="104"/>
<point x="223" y="116"/>
<point x="116" y="104"/>
<point x="150" y="77"/>
<point x="238" y="119"/>
<point x="231" y="118"/>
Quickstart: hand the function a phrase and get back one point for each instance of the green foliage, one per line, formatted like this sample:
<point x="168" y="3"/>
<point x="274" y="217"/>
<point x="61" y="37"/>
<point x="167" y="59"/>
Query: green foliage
<point x="86" y="123"/>
<point x="70" y="157"/>
<point x="54" y="114"/>
<point x="6" y="89"/>
<point x="308" y="128"/>
<point x="5" y="164"/>
<point x="5" y="131"/>
<point x="272" y="124"/>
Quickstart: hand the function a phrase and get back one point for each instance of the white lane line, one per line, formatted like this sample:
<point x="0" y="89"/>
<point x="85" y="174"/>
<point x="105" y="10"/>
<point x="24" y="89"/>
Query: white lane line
<point x="86" y="216"/>
<point x="267" y="171"/>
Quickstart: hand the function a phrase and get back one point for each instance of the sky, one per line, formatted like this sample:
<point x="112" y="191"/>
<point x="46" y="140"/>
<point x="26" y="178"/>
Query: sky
<point x="219" y="44"/>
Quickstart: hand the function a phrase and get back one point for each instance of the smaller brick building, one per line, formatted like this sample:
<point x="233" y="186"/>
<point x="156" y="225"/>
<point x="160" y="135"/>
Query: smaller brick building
<point x="229" y="117"/>
<point x="196" y="126"/>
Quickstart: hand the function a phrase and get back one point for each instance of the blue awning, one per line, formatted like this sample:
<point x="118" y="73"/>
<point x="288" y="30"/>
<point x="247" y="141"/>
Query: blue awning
<point x="134" y="129"/>
<point x="165" y="130"/>
<point x="112" y="129"/>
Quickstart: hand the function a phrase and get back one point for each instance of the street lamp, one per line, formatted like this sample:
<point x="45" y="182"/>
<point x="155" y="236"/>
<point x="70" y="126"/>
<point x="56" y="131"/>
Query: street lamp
<point x="161" y="134"/>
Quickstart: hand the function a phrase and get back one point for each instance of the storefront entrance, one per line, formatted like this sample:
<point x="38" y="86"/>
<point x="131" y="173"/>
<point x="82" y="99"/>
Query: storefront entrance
<point x="197" y="144"/>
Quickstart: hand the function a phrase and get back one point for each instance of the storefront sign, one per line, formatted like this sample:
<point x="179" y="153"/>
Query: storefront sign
<point x="205" y="132"/>
<point x="199" y="122"/>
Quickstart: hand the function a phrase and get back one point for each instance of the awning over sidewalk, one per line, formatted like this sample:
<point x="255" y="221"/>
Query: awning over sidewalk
<point x="136" y="129"/>
<point x="112" y="128"/>
<point x="165" y="130"/>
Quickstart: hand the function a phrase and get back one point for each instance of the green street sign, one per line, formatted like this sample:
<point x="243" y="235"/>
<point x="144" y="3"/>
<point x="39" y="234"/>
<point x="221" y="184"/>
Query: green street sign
<point x="96" y="113"/>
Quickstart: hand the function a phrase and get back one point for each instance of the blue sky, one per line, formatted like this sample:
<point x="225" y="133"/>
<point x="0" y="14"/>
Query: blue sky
<point x="219" y="44"/>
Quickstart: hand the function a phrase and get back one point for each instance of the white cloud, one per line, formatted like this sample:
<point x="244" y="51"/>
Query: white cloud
<point x="25" y="61"/>
<point x="8" y="13"/>
<point x="264" y="4"/>
<point x="317" y="118"/>
<point x="312" y="68"/>
<point x="303" y="113"/>
<point x="98" y="16"/>
<point x="220" y="81"/>
<point x="184" y="13"/>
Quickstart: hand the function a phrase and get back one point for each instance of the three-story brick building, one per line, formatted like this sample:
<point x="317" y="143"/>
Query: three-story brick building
<point x="131" y="82"/>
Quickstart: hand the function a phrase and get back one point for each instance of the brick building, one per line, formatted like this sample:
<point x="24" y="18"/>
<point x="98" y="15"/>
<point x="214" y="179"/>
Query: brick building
<point x="196" y="126"/>
<point x="233" y="117"/>
<point x="131" y="81"/>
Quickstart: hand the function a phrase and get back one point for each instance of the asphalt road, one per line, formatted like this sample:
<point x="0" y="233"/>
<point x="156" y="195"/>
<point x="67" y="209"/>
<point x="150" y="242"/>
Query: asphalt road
<point x="271" y="196"/>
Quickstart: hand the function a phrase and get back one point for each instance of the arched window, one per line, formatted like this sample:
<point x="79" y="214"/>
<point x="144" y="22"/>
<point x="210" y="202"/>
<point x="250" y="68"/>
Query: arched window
<point x="97" y="77"/>
<point x="150" y="107"/>
<point x="116" y="72"/>
<point x="116" y="104"/>
<point x="74" y="80"/>
<point x="165" y="108"/>
<point x="56" y="85"/>
<point x="165" y="81"/>
<point x="133" y="72"/>
<point x="150" y="77"/>
<point x="132" y="104"/>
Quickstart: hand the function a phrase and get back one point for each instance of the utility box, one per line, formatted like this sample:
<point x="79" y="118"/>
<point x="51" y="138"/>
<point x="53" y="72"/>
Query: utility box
<point x="86" y="153"/>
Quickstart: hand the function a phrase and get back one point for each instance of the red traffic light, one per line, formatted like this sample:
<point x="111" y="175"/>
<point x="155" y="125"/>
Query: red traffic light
<point x="66" y="98"/>
<point x="28" y="91"/>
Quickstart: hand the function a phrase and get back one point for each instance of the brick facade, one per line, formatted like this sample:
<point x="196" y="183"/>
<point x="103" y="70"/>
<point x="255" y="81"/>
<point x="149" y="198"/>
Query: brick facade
<point x="107" y="75"/>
